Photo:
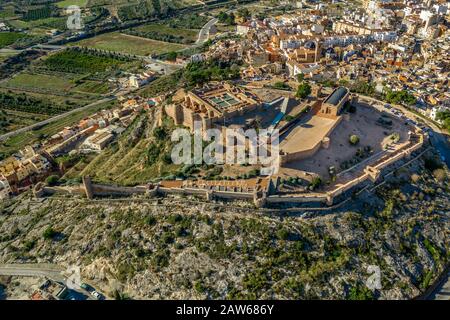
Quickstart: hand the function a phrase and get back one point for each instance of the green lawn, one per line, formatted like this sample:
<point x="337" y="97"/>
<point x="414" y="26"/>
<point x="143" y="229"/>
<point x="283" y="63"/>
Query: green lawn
<point x="129" y="44"/>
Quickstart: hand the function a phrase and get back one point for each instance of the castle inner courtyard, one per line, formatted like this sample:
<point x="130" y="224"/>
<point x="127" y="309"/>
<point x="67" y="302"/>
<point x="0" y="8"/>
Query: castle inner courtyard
<point x="364" y="123"/>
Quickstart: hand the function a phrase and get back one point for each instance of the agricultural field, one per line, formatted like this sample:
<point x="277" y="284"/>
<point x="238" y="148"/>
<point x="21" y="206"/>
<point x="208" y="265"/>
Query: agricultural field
<point x="79" y="62"/>
<point x="187" y="21"/>
<point x="128" y="44"/>
<point x="29" y="81"/>
<point x="95" y="87"/>
<point x="39" y="26"/>
<point x="55" y="84"/>
<point x="37" y="103"/>
<point x="67" y="3"/>
<point x="8" y="38"/>
<point x="181" y="30"/>
<point x="7" y="12"/>
<point x="165" y="33"/>
<point x="63" y="89"/>
<point x="21" y="140"/>
<point x="71" y="74"/>
<point x="11" y="120"/>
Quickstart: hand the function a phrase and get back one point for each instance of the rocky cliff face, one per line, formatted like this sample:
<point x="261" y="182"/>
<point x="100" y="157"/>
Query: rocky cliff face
<point x="174" y="249"/>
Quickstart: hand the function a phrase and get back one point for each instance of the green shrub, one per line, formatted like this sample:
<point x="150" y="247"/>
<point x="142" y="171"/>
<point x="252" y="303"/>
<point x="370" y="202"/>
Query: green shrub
<point x="315" y="183"/>
<point x="173" y="219"/>
<point x="360" y="292"/>
<point x="161" y="259"/>
<point x="29" y="245"/>
<point x="432" y="163"/>
<point x="354" y="139"/>
<point x="283" y="234"/>
<point x="303" y="90"/>
<point x="52" y="180"/>
<point x="49" y="233"/>
<point x="151" y="221"/>
<point x="199" y="287"/>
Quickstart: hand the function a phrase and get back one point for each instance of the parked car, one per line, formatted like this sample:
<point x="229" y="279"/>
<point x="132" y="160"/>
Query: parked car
<point x="87" y="287"/>
<point x="97" y="295"/>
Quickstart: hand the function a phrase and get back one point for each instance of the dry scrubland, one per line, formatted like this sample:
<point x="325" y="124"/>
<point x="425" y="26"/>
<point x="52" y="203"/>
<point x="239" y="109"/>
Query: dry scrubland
<point x="129" y="161"/>
<point x="167" y="249"/>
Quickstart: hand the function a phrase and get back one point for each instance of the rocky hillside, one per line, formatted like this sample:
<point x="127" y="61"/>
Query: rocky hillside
<point x="171" y="249"/>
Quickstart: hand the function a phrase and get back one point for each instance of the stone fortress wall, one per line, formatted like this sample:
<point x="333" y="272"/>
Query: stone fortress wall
<point x="258" y="190"/>
<point x="262" y="191"/>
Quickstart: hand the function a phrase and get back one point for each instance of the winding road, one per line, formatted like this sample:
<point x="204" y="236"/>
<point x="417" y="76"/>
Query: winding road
<point x="33" y="270"/>
<point x="442" y="292"/>
<point x="203" y="35"/>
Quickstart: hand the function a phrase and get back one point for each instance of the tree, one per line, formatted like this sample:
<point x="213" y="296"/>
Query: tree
<point x="432" y="163"/>
<point x="160" y="133"/>
<point x="283" y="234"/>
<point x="360" y="292"/>
<point x="400" y="97"/>
<point x="281" y="85"/>
<point x="119" y="295"/>
<point x="303" y="90"/>
<point x="52" y="180"/>
<point x="49" y="233"/>
<point x="300" y="77"/>
<point x="172" y="56"/>
<point x="354" y="139"/>
<point x="444" y="117"/>
<point x="243" y="13"/>
<point x="226" y="18"/>
<point x="315" y="183"/>
<point x="151" y="221"/>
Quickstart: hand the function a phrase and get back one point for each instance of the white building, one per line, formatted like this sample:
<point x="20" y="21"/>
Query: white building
<point x="3" y="27"/>
<point x="5" y="188"/>
<point x="243" y="29"/>
<point x="98" y="141"/>
<point x="435" y="111"/>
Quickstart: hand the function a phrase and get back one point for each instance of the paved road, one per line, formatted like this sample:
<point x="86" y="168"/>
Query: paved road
<point x="50" y="271"/>
<point x="53" y="119"/>
<point x="48" y="46"/>
<point x="443" y="291"/>
<point x="32" y="270"/>
<point x="10" y="51"/>
<point x="203" y="35"/>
